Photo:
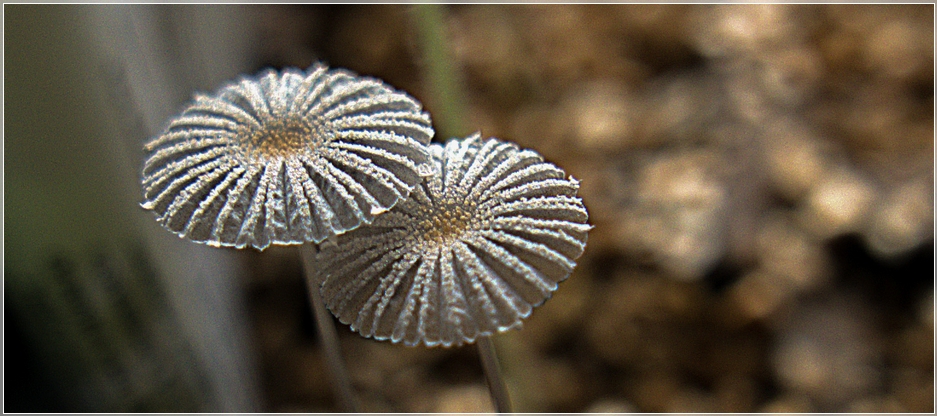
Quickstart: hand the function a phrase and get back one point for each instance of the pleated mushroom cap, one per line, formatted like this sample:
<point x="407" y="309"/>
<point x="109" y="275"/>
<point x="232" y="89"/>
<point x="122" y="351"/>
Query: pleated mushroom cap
<point x="471" y="252"/>
<point x="286" y="158"/>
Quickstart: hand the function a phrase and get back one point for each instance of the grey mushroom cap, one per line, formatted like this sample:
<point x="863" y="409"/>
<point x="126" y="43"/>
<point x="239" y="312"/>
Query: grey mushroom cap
<point x="470" y="253"/>
<point x="286" y="158"/>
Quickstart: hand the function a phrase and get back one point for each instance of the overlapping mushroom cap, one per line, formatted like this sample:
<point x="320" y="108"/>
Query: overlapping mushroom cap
<point x="286" y="158"/>
<point x="471" y="252"/>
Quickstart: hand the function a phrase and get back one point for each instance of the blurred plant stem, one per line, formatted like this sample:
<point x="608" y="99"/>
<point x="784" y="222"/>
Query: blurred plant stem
<point x="445" y="82"/>
<point x="448" y="98"/>
<point x="119" y="315"/>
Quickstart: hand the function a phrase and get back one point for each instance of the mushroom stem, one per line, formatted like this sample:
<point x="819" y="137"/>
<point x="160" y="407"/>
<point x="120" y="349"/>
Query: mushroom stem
<point x="325" y="327"/>
<point x="496" y="386"/>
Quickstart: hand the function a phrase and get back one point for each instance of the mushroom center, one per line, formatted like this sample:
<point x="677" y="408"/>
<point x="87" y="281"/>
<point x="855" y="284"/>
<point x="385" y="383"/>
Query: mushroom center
<point x="446" y="223"/>
<point x="281" y="139"/>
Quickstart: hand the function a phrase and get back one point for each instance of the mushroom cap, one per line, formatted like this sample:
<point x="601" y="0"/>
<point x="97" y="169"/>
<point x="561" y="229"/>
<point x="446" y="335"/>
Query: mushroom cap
<point x="286" y="158"/>
<point x="470" y="253"/>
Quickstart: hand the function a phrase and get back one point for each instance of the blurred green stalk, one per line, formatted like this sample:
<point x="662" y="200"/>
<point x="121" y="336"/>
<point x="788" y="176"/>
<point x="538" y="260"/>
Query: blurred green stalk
<point x="448" y="99"/>
<point x="444" y="79"/>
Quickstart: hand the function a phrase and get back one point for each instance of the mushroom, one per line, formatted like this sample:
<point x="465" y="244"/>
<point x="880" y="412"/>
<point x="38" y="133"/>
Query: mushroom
<point x="473" y="250"/>
<point x="287" y="158"/>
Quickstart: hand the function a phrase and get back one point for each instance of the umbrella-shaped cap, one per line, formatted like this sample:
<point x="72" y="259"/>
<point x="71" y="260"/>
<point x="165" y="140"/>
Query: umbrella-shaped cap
<point x="474" y="249"/>
<point x="286" y="158"/>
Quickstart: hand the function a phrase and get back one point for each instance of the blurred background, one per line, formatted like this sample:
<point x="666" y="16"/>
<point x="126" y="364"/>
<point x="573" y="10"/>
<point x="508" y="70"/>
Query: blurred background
<point x="760" y="179"/>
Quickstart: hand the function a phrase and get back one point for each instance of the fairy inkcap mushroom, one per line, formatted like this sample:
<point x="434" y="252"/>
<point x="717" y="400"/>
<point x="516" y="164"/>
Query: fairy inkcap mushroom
<point x="470" y="253"/>
<point x="286" y="158"/>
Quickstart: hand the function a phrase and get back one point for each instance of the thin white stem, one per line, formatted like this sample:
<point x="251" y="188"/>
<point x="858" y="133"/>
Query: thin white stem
<point x="325" y="326"/>
<point x="496" y="386"/>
